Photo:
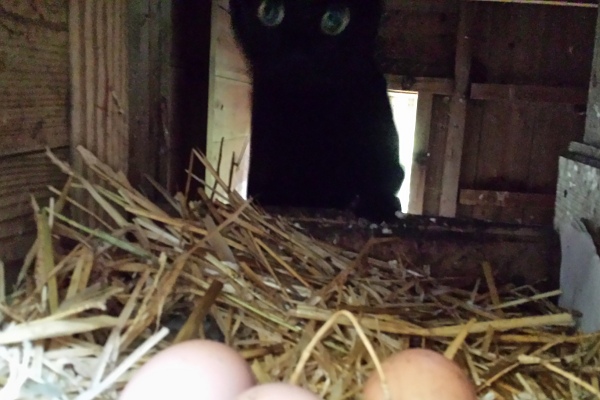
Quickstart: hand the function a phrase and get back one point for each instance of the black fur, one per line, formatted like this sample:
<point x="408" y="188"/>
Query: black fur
<point x="322" y="126"/>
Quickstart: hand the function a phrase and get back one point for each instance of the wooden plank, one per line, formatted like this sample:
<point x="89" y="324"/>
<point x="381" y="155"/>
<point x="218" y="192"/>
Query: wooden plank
<point x="437" y="142"/>
<point x="458" y="115"/>
<point x="418" y="175"/>
<point x="423" y="6"/>
<point x="592" y="123"/>
<point x="488" y="198"/>
<point x="34" y="76"/>
<point x="417" y="43"/>
<point x="560" y="3"/>
<point x="23" y="176"/>
<point x="471" y="158"/>
<point x="529" y="93"/>
<point x="439" y="86"/>
<point x="99" y="112"/>
<point x="229" y="115"/>
<point x="556" y="125"/>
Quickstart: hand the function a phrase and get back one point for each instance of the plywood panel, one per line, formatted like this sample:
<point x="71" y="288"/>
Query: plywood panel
<point x="24" y="176"/>
<point x="34" y="76"/>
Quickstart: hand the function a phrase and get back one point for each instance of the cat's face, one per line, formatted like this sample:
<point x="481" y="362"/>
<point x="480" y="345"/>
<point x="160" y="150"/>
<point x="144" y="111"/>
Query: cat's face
<point x="311" y="37"/>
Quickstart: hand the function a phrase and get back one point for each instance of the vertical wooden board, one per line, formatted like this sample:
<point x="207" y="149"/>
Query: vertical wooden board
<point x="556" y="125"/>
<point x="229" y="60"/>
<point x="229" y="115"/>
<point x="238" y="150"/>
<point x="34" y="76"/>
<point x="418" y="42"/>
<point x="468" y="173"/>
<point x="99" y="89"/>
<point x="458" y="112"/>
<point x="437" y="146"/>
<point x="231" y="105"/>
<point x="418" y="175"/>
<point x="567" y="46"/>
<point x="496" y="117"/>
<point x="527" y="49"/>
<point x="504" y="155"/>
<point x="139" y="44"/>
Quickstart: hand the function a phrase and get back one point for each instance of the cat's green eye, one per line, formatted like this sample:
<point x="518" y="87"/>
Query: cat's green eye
<point x="335" y="20"/>
<point x="271" y="12"/>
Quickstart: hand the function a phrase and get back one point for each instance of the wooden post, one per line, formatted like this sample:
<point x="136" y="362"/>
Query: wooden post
<point x="418" y="173"/>
<point x="458" y="114"/>
<point x="592" y="124"/>
<point x="99" y="105"/>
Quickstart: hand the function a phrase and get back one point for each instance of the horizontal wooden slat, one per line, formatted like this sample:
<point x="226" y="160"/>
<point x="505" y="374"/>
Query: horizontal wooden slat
<point x="436" y="6"/>
<point x="24" y="176"/>
<point x="34" y="76"/>
<point x="439" y="86"/>
<point x="488" y="198"/>
<point x="530" y="93"/>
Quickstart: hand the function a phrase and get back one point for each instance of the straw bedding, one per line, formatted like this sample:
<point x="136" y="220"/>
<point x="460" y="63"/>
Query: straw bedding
<point x="84" y="317"/>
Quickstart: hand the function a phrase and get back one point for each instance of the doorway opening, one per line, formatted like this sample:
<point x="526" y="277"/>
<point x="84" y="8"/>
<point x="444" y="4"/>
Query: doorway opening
<point x="404" y="108"/>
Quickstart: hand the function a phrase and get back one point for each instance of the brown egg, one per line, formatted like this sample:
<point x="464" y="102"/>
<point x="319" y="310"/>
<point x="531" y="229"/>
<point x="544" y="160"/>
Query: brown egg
<point x="277" y="391"/>
<point x="419" y="374"/>
<point x="196" y="369"/>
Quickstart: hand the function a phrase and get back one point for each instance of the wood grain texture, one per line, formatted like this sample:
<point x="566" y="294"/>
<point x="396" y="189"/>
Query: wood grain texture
<point x="418" y="175"/>
<point x="458" y="114"/>
<point x="229" y="98"/>
<point x="530" y="93"/>
<point x="419" y="38"/>
<point x="528" y="112"/>
<point x="34" y="76"/>
<point x="24" y="176"/>
<point x="99" y="109"/>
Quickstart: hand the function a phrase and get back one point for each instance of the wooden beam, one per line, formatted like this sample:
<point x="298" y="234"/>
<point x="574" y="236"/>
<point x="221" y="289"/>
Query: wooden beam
<point x="458" y="114"/>
<point x="418" y="175"/>
<point x="441" y="86"/>
<point x="487" y="198"/>
<point x="583" y="4"/>
<point x="425" y="6"/>
<point x="529" y="93"/>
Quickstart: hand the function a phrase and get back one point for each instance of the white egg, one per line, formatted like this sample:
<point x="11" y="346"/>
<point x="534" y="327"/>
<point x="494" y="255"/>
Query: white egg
<point x="196" y="369"/>
<point x="277" y="391"/>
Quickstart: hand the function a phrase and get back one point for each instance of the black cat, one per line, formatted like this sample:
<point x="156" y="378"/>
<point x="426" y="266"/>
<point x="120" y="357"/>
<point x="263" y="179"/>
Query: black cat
<point x="322" y="125"/>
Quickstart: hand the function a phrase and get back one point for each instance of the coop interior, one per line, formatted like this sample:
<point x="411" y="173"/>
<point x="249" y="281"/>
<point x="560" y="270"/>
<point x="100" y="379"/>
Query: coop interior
<point x="126" y="227"/>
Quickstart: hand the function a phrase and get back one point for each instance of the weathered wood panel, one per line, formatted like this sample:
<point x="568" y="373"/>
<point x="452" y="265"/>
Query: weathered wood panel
<point x="437" y="147"/>
<point x="99" y="109"/>
<point x="24" y="176"/>
<point x="34" y="75"/>
<point x="229" y="101"/>
<point x="419" y="39"/>
<point x="524" y="120"/>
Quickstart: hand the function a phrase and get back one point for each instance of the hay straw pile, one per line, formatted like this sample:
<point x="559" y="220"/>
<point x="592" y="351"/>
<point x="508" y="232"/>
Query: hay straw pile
<point x="82" y="320"/>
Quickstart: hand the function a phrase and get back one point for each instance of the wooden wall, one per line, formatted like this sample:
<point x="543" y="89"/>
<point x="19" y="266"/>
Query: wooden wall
<point x="229" y="103"/>
<point x="99" y="103"/>
<point x="527" y="69"/>
<point x="34" y="98"/>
